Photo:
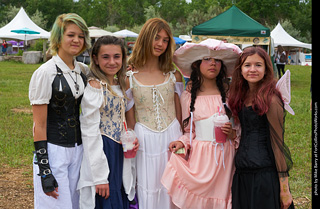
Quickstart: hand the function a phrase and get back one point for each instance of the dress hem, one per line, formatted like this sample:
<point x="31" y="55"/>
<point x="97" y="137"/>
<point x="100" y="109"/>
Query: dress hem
<point x="183" y="198"/>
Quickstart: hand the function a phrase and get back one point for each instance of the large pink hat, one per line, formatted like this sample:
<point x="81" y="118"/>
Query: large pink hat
<point x="191" y="52"/>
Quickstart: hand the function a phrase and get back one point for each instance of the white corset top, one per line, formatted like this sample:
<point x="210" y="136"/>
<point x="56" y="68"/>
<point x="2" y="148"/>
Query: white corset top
<point x="204" y="130"/>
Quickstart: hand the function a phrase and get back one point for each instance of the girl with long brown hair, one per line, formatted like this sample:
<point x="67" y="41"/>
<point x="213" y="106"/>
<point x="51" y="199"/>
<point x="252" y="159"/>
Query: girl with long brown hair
<point x="262" y="160"/>
<point x="156" y="88"/>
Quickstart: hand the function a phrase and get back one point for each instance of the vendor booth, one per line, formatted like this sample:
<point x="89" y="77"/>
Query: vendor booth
<point x="299" y="52"/>
<point x="233" y="26"/>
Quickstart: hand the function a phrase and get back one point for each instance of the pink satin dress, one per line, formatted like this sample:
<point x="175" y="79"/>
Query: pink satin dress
<point x="205" y="179"/>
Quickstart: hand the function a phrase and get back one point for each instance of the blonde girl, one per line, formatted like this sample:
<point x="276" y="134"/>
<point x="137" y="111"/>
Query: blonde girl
<point x="55" y="93"/>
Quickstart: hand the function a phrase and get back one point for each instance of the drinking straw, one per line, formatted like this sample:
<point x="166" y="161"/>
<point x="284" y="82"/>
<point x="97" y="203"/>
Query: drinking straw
<point x="125" y="127"/>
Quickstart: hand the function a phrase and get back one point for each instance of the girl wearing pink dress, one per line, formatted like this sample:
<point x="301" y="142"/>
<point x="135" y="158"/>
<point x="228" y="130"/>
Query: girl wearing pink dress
<point x="204" y="179"/>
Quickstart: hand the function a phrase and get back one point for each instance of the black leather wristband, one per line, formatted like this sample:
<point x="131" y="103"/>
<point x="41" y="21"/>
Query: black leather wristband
<point x="48" y="181"/>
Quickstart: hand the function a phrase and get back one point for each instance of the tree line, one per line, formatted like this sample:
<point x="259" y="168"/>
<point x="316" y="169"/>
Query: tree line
<point x="182" y="15"/>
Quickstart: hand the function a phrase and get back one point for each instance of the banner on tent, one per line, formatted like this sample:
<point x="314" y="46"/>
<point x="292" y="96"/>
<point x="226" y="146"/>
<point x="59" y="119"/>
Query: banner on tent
<point x="234" y="39"/>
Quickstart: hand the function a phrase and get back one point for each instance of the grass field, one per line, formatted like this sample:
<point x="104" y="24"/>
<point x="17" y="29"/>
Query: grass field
<point x="16" y="143"/>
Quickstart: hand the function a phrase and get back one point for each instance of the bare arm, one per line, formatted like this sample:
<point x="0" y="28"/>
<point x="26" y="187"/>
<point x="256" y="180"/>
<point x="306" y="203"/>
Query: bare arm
<point x="130" y="118"/>
<point x="177" y="99"/>
<point x="285" y="195"/>
<point x="178" y="108"/>
<point x="40" y="122"/>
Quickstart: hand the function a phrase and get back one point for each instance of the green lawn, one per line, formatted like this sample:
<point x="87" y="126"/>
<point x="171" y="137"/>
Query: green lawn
<point x="16" y="143"/>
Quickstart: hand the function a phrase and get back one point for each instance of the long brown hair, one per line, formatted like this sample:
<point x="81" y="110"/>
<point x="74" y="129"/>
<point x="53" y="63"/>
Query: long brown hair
<point x="239" y="88"/>
<point x="143" y="46"/>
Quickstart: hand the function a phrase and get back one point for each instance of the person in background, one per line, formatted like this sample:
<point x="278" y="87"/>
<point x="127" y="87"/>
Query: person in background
<point x="281" y="60"/>
<point x="156" y="87"/>
<point x="4" y="47"/>
<point x="55" y="93"/>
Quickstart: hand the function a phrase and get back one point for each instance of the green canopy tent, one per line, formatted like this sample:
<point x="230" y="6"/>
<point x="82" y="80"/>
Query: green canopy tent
<point x="234" y="26"/>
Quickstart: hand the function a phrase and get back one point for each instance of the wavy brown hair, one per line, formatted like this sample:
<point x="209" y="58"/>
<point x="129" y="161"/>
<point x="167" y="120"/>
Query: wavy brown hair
<point x="142" y="49"/>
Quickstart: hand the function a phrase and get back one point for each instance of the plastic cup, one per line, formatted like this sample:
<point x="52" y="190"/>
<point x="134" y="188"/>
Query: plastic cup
<point x="219" y="121"/>
<point x="127" y="138"/>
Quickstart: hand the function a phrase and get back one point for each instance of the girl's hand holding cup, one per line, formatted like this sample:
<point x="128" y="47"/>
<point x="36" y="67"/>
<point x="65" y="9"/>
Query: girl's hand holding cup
<point x="130" y="143"/>
<point x="136" y="145"/>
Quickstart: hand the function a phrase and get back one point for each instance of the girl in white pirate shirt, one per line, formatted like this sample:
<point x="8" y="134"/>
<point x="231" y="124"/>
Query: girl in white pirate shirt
<point x="55" y="93"/>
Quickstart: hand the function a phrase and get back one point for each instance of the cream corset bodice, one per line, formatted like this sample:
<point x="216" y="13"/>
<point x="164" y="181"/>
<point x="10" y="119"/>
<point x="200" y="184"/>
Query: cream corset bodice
<point x="154" y="104"/>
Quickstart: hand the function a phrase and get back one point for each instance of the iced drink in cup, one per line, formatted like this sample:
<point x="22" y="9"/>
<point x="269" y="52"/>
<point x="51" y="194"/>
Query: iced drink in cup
<point x="219" y="120"/>
<point x="127" y="138"/>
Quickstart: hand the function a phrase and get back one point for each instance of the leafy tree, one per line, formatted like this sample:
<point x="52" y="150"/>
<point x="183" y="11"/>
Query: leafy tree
<point x="182" y="16"/>
<point x="150" y="12"/>
<point x="39" y="19"/>
<point x="9" y="14"/>
<point x="172" y="11"/>
<point x="197" y="17"/>
<point x="50" y="9"/>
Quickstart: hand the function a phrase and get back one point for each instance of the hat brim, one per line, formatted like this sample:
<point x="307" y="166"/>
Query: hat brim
<point x="191" y="52"/>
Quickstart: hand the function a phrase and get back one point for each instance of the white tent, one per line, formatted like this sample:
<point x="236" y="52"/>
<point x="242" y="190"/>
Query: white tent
<point x="126" y="33"/>
<point x="21" y="20"/>
<point x="96" y="32"/>
<point x="281" y="37"/>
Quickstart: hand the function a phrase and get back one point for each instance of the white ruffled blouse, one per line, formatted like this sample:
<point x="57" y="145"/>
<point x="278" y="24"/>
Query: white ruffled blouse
<point x="40" y="87"/>
<point x="94" y="167"/>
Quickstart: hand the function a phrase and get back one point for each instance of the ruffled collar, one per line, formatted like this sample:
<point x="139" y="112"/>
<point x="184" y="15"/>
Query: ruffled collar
<point x="63" y="66"/>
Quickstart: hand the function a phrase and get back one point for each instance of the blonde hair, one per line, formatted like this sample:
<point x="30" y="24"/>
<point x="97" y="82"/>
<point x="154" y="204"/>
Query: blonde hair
<point x="144" y="45"/>
<point x="59" y="26"/>
<point x="96" y="72"/>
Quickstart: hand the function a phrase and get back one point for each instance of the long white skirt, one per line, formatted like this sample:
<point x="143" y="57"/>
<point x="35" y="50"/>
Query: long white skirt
<point x="65" y="165"/>
<point x="151" y="160"/>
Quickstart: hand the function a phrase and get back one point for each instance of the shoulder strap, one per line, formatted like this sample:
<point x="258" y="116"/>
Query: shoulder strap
<point x="130" y="75"/>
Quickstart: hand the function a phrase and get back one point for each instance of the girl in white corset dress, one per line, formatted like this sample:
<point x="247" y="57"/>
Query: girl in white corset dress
<point x="156" y="87"/>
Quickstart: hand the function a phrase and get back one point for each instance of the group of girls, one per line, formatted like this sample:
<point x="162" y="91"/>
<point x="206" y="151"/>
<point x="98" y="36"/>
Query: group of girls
<point x="79" y="160"/>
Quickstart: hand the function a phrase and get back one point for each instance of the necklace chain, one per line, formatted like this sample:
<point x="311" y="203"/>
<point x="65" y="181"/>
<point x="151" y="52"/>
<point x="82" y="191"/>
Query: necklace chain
<point x="76" y="85"/>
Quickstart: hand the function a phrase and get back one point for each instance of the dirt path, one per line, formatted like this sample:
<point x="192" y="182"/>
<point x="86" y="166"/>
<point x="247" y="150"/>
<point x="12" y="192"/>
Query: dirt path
<point x="16" y="187"/>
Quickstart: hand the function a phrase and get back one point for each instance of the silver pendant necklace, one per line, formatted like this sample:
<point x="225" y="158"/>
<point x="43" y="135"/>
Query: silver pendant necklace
<point x="76" y="85"/>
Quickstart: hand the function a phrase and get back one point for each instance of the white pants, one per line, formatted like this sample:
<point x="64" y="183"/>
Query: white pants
<point x="65" y="165"/>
